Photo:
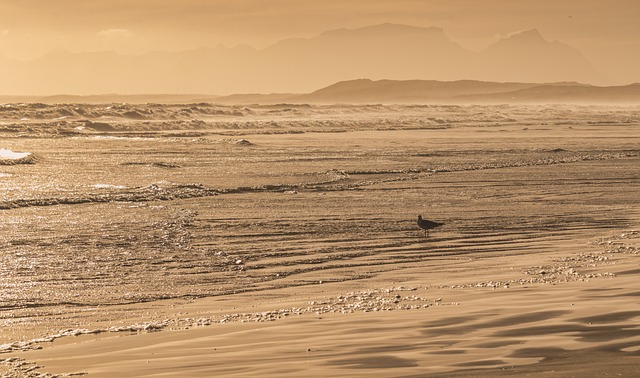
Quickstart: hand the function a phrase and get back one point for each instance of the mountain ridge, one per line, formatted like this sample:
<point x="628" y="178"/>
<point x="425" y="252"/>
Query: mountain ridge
<point x="470" y="91"/>
<point x="367" y="91"/>
<point x="300" y="65"/>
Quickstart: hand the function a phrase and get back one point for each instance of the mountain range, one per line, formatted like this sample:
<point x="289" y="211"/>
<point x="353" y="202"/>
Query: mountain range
<point x="366" y="91"/>
<point x="463" y="92"/>
<point x="301" y="65"/>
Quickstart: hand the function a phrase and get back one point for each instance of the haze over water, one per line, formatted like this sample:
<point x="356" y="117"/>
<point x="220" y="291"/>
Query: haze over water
<point x="222" y="47"/>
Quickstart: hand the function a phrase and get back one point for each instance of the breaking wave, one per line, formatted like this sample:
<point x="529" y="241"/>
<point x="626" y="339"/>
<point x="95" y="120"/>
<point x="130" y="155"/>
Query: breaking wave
<point x="330" y="180"/>
<point x="153" y="192"/>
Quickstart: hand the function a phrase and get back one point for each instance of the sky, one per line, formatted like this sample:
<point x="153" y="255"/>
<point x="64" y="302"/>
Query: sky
<point x="606" y="32"/>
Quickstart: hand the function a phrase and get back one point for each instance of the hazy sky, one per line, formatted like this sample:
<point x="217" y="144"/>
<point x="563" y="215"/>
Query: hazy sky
<point x="607" y="32"/>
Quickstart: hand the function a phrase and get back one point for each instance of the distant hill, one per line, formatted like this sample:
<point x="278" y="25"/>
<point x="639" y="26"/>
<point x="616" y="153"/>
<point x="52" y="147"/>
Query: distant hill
<point x="543" y="61"/>
<point x="561" y="94"/>
<point x="468" y="91"/>
<point x="366" y="91"/>
<point x="300" y="65"/>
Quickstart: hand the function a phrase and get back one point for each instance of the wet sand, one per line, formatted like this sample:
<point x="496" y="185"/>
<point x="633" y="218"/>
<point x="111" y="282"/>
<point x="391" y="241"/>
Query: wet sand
<point x="288" y="254"/>
<point x="570" y="329"/>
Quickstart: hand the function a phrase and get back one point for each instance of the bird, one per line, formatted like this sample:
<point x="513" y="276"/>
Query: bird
<point x="427" y="225"/>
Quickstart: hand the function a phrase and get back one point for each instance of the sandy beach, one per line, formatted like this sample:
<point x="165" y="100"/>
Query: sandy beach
<point x="586" y="327"/>
<point x="282" y="241"/>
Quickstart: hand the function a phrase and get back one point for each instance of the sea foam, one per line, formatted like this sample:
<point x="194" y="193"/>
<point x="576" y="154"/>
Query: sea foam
<point x="10" y="155"/>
